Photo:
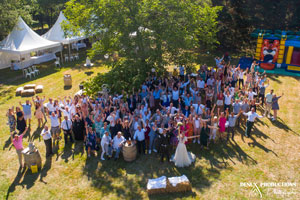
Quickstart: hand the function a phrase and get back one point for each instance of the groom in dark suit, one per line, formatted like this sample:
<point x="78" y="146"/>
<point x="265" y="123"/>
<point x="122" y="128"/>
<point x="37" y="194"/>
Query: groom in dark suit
<point x="164" y="141"/>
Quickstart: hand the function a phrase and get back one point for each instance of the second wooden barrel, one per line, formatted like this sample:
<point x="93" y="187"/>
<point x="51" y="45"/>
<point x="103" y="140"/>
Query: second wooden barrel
<point x="129" y="152"/>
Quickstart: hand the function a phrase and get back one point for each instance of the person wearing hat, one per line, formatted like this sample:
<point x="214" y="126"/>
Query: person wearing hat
<point x="17" y="141"/>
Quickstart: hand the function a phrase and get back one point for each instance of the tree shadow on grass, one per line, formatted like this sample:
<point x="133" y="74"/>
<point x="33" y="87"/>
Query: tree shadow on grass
<point x="89" y="73"/>
<point x="128" y="180"/>
<point x="9" y="77"/>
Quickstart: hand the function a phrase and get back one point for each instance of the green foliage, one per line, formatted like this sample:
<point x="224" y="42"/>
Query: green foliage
<point x="10" y="10"/>
<point x="144" y="33"/>
<point x="122" y="77"/>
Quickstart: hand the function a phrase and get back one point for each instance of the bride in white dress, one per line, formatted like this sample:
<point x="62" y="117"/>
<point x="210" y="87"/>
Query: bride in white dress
<point x="182" y="157"/>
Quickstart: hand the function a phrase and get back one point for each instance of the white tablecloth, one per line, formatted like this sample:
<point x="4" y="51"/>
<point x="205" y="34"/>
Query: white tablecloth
<point x="78" y="46"/>
<point x="35" y="60"/>
<point x="157" y="183"/>
<point x="178" y="179"/>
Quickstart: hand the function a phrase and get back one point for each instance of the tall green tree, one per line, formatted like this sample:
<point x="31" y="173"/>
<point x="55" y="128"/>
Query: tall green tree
<point x="10" y="10"/>
<point x="146" y="33"/>
<point x="46" y="12"/>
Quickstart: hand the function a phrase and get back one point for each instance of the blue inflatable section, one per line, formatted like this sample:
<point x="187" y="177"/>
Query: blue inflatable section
<point x="245" y="62"/>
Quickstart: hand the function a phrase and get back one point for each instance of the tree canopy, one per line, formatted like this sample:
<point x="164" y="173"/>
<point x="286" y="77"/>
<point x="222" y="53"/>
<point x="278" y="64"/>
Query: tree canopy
<point x="10" y="10"/>
<point x="146" y="33"/>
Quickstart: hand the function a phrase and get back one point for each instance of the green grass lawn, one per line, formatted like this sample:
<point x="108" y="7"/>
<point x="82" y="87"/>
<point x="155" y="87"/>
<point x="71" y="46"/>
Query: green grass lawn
<point x="271" y="155"/>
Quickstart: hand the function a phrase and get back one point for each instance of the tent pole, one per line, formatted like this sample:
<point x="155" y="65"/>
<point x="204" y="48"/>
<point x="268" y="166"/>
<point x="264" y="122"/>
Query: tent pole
<point x="69" y="50"/>
<point x="61" y="54"/>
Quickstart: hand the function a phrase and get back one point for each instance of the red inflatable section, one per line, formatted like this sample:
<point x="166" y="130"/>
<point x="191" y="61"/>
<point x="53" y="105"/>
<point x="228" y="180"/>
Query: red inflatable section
<point x="264" y="46"/>
<point x="296" y="57"/>
<point x="276" y="49"/>
<point x="267" y="66"/>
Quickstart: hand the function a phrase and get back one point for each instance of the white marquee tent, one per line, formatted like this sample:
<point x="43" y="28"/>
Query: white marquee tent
<point x="19" y="44"/>
<point x="56" y="33"/>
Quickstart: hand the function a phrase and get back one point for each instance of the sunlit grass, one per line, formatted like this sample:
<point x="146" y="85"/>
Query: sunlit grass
<point x="271" y="156"/>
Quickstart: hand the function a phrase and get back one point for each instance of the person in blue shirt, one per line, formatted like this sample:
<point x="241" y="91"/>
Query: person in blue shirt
<point x="187" y="100"/>
<point x="143" y="94"/>
<point x="181" y="72"/>
<point x="104" y="129"/>
<point x="156" y="95"/>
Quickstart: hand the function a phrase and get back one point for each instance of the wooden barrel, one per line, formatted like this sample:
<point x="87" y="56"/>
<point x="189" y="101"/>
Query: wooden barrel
<point x="129" y="152"/>
<point x="67" y="80"/>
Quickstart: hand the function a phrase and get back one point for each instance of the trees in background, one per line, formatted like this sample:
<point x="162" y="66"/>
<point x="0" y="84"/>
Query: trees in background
<point x="240" y="17"/>
<point x="46" y="12"/>
<point x="144" y="34"/>
<point x="10" y="10"/>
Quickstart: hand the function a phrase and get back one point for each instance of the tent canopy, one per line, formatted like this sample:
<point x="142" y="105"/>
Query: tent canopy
<point x="23" y="40"/>
<point x="56" y="33"/>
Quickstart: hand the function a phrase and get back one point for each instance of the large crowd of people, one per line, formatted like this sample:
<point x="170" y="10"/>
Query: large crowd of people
<point x="209" y="105"/>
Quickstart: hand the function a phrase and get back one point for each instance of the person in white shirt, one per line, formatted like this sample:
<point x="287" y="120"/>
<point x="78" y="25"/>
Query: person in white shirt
<point x="199" y="108"/>
<point x="175" y="97"/>
<point x="50" y="106"/>
<point x="66" y="126"/>
<point x="197" y="127"/>
<point x="172" y="109"/>
<point x="139" y="137"/>
<point x="252" y="115"/>
<point x="241" y="78"/>
<point x="66" y="112"/>
<point x="251" y="94"/>
<point x="55" y="130"/>
<point x="210" y="81"/>
<point x="228" y="99"/>
<point x="118" y="142"/>
<point x="48" y="140"/>
<point x="200" y="83"/>
<point x="105" y="145"/>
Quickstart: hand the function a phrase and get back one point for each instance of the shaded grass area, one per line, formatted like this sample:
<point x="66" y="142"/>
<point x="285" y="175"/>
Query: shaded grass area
<point x="271" y="154"/>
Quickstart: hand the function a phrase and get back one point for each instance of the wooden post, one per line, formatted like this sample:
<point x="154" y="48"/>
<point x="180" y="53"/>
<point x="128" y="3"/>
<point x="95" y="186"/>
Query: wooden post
<point x="69" y="50"/>
<point x="61" y="54"/>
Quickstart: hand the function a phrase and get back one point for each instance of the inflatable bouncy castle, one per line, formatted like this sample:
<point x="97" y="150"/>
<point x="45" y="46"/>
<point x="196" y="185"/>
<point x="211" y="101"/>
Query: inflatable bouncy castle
<point x="279" y="49"/>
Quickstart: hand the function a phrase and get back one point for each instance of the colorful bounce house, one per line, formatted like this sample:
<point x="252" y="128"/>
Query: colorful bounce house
<point x="277" y="51"/>
<point x="280" y="49"/>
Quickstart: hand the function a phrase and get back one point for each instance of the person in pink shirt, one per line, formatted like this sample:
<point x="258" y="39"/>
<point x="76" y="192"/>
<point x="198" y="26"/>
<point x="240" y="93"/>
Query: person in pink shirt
<point x="222" y="122"/>
<point x="17" y="140"/>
